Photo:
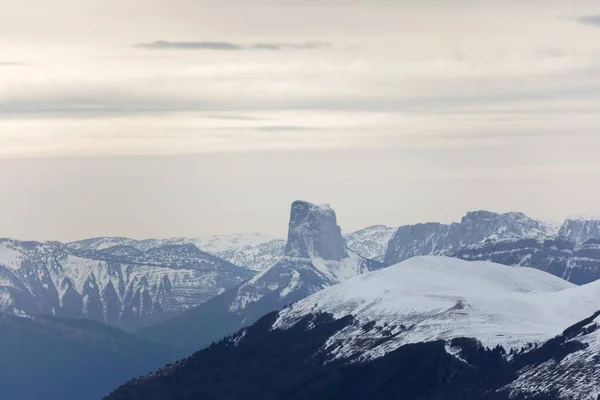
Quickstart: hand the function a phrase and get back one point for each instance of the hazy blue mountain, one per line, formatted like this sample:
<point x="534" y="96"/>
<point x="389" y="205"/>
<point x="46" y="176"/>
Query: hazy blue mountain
<point x="51" y="358"/>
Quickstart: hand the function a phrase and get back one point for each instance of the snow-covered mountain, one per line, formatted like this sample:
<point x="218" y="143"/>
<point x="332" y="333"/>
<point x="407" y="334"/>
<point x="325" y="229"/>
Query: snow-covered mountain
<point x="370" y="242"/>
<point x="430" y="298"/>
<point x="120" y="285"/>
<point x="476" y="227"/>
<point x="316" y="257"/>
<point x="429" y="327"/>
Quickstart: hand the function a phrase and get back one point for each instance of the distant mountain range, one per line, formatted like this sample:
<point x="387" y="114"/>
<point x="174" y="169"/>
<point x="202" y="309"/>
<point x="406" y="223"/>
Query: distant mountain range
<point x="429" y="327"/>
<point x="255" y="251"/>
<point x="571" y="251"/>
<point x="131" y="283"/>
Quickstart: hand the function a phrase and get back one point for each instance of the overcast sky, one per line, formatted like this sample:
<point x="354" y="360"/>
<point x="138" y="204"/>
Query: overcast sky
<point x="153" y="118"/>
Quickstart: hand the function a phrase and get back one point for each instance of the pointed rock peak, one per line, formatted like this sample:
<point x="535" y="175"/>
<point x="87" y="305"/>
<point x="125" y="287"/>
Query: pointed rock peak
<point x="314" y="232"/>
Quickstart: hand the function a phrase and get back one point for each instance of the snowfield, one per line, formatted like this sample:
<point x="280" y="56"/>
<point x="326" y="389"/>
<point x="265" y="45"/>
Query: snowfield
<point x="430" y="298"/>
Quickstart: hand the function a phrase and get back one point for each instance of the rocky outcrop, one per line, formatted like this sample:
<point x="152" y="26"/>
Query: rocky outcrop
<point x="314" y="233"/>
<point x="579" y="230"/>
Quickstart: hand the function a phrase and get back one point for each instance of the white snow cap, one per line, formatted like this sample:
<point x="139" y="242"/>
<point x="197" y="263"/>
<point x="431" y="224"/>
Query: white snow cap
<point x="443" y="298"/>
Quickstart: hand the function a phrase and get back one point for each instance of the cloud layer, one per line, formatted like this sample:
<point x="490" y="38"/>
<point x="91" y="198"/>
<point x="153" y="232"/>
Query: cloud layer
<point x="228" y="46"/>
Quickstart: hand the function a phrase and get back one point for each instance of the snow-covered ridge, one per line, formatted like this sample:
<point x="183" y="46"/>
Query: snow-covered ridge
<point x="431" y="298"/>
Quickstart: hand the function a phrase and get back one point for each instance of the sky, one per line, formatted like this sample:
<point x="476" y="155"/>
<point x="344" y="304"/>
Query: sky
<point x="159" y="118"/>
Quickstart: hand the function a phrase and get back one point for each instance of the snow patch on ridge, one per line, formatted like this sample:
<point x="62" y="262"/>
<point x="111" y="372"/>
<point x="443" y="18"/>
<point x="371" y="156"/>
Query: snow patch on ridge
<point x="10" y="255"/>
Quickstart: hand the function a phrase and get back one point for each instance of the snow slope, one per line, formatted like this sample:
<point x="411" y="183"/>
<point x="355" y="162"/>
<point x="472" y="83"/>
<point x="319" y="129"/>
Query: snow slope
<point x="429" y="298"/>
<point x="572" y="375"/>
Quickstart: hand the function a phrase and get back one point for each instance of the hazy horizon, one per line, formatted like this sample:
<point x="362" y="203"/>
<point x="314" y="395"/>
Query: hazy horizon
<point x="156" y="196"/>
<point x="218" y="114"/>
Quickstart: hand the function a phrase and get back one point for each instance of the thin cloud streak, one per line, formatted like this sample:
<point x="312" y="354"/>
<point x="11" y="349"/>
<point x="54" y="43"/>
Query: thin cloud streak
<point x="593" y="20"/>
<point x="229" y="46"/>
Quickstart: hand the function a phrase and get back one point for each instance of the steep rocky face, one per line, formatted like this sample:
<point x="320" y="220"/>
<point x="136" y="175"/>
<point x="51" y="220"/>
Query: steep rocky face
<point x="370" y="242"/>
<point x="580" y="230"/>
<point x="121" y="286"/>
<point x="476" y="227"/>
<point x="314" y="233"/>
<point x="315" y="258"/>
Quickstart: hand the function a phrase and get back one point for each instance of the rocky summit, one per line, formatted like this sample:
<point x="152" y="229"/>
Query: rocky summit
<point x="314" y="233"/>
<point x="316" y="257"/>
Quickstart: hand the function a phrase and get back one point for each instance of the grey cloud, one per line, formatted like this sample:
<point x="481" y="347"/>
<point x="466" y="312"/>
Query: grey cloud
<point x="130" y="58"/>
<point x="233" y="117"/>
<point x="228" y="46"/>
<point x="286" y="128"/>
<point x="593" y="20"/>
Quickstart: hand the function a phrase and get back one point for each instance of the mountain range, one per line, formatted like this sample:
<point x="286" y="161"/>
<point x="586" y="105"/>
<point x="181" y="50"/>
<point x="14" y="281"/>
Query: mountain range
<point x="314" y="316"/>
<point x="255" y="251"/>
<point x="570" y="251"/>
<point x="429" y="327"/>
